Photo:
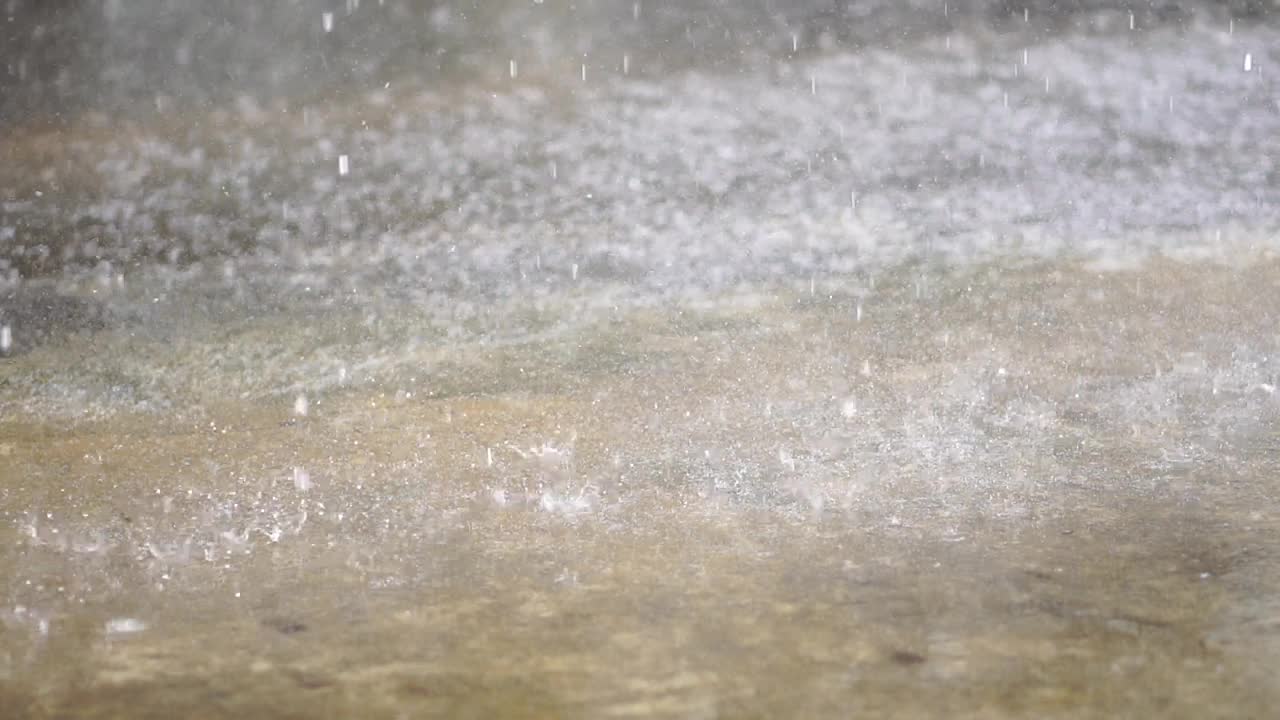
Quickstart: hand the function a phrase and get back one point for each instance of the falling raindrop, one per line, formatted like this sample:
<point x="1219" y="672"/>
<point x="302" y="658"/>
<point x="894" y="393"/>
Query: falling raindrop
<point x="344" y="165"/>
<point x="301" y="405"/>
<point x="1248" y="62"/>
<point x="6" y="338"/>
<point x="301" y="479"/>
<point x="511" y="66"/>
<point x="326" y="19"/>
<point x="1131" y="20"/>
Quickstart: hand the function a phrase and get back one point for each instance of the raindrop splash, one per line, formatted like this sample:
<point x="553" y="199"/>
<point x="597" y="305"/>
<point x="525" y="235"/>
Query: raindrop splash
<point x="125" y="626"/>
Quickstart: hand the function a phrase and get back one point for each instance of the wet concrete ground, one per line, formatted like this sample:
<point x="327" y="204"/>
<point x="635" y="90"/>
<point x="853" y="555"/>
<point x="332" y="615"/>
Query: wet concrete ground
<point x="1046" y="492"/>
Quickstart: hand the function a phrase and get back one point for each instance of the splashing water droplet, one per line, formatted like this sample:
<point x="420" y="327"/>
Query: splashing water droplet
<point x="125" y="626"/>
<point x="849" y="408"/>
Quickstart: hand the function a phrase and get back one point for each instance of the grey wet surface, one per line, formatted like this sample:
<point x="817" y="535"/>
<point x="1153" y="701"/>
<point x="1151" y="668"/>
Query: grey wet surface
<point x="928" y="379"/>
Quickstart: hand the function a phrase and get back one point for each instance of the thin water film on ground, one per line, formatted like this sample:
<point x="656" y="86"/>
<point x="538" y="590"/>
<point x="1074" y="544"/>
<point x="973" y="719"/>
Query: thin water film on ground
<point x="812" y="359"/>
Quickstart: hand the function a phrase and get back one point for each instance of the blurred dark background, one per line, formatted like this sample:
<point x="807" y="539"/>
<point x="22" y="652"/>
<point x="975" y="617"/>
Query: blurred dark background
<point x="61" y="57"/>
